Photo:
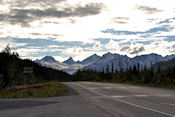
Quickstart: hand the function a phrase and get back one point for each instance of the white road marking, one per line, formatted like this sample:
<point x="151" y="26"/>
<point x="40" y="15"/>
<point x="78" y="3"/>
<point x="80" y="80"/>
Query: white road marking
<point x="141" y="95"/>
<point x="106" y="87"/>
<point x="97" y="97"/>
<point x="121" y="87"/>
<point x="134" y="87"/>
<point x="119" y="96"/>
<point x="165" y="95"/>
<point x="126" y="96"/>
<point x="93" y="88"/>
<point x="146" y="108"/>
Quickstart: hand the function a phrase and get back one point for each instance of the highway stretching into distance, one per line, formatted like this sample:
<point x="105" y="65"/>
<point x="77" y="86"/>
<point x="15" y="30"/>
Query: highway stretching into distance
<point x="90" y="99"/>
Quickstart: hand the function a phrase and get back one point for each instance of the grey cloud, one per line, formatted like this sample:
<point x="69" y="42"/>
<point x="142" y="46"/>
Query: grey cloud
<point x="50" y="22"/>
<point x="19" y="18"/>
<point x="120" y="20"/>
<point x="28" y="3"/>
<point x="137" y="50"/>
<point x="132" y="50"/>
<point x="25" y="16"/>
<point x="77" y="50"/>
<point x="97" y="45"/>
<point x="88" y="9"/>
<point x="45" y="34"/>
<point x="172" y="48"/>
<point x="147" y="9"/>
<point x="125" y="48"/>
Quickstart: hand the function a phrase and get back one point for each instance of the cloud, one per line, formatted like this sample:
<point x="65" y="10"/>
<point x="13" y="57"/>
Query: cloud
<point x="172" y="49"/>
<point x="133" y="49"/>
<point x="27" y="51"/>
<point x="77" y="50"/>
<point x="32" y="3"/>
<point x="24" y="17"/>
<point x="113" y="45"/>
<point x="97" y="45"/>
<point x="137" y="50"/>
<point x="4" y="42"/>
<point x="60" y="58"/>
<point x="73" y="51"/>
<point x="155" y="29"/>
<point x="77" y="53"/>
<point x="148" y="9"/>
<point x="88" y="9"/>
<point x="173" y="46"/>
<point x="120" y="20"/>
<point x="48" y="35"/>
<point x="60" y="27"/>
<point x="125" y="48"/>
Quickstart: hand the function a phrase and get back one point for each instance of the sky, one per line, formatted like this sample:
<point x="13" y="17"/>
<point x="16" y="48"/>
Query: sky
<point x="80" y="28"/>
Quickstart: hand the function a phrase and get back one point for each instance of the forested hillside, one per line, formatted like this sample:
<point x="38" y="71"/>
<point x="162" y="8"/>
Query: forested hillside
<point x="12" y="71"/>
<point x="165" y="64"/>
<point x="147" y="76"/>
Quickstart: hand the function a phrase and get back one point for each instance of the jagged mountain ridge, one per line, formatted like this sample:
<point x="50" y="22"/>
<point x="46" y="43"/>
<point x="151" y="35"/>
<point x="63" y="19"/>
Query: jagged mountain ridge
<point x="96" y="62"/>
<point x="52" y="63"/>
<point x="49" y="59"/>
<point x="70" y="61"/>
<point x="91" y="59"/>
<point x="123" y="61"/>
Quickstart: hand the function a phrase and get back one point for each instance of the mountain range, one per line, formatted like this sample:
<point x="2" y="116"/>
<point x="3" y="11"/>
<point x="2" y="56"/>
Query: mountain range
<point x="164" y="64"/>
<point x="96" y="62"/>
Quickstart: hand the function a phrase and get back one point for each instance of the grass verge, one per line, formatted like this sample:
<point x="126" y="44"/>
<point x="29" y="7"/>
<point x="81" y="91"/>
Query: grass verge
<point x="55" y="89"/>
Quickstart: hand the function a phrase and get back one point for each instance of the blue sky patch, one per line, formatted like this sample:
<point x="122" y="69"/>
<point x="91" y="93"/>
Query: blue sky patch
<point x="144" y="42"/>
<point x="170" y="38"/>
<point x="125" y="43"/>
<point x="103" y="40"/>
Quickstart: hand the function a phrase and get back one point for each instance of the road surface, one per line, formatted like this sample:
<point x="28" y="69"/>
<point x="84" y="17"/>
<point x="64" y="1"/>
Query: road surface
<point x="89" y="99"/>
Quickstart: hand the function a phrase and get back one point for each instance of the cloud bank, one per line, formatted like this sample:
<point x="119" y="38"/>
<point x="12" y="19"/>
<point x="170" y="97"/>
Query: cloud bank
<point x="77" y="28"/>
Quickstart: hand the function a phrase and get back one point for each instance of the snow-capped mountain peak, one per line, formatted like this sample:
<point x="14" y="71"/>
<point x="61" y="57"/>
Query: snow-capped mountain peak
<point x="96" y="62"/>
<point x="91" y="59"/>
<point x="52" y="63"/>
<point x="168" y="57"/>
<point x="48" y="59"/>
<point x="69" y="61"/>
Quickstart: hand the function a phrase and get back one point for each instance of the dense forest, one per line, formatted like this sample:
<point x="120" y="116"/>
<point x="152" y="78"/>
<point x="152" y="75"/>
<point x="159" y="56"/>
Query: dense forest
<point x="134" y="75"/>
<point x="12" y="71"/>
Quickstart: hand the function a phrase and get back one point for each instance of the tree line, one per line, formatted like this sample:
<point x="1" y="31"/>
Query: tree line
<point x="12" y="71"/>
<point x="132" y="75"/>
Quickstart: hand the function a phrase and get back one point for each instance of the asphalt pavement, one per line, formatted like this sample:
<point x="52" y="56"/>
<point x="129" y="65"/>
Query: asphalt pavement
<point x="90" y="99"/>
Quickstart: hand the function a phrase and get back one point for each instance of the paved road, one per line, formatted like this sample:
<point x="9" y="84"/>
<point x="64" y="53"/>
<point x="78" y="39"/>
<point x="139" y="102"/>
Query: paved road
<point x="89" y="99"/>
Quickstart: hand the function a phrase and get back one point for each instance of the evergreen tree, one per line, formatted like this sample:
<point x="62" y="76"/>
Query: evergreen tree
<point x="107" y="69"/>
<point x="112" y="69"/>
<point x="138" y="67"/>
<point x="120" y="64"/>
<point x="12" y="69"/>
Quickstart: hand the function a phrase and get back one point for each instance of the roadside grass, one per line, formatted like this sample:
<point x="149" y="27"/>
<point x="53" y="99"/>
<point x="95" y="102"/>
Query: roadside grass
<point x="55" y="89"/>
